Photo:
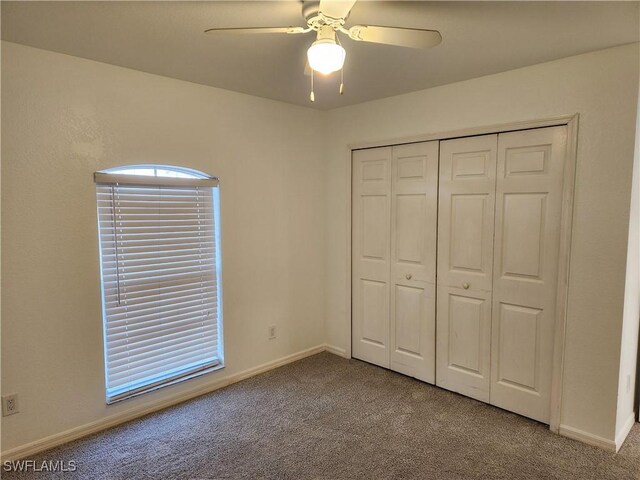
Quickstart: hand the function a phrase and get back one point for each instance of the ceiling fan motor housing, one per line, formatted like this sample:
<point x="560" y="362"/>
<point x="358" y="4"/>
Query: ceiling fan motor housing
<point x="316" y="20"/>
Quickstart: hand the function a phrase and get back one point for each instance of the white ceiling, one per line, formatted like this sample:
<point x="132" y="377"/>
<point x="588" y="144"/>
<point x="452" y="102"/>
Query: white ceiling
<point x="166" y="38"/>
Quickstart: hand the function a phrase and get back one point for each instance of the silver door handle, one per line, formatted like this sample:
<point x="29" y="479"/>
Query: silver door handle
<point x="408" y="276"/>
<point x="465" y="285"/>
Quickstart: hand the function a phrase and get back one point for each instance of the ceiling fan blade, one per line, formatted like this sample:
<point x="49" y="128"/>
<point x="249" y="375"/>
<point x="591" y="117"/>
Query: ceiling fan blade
<point x="254" y="30"/>
<point x="402" y="37"/>
<point x="336" y="8"/>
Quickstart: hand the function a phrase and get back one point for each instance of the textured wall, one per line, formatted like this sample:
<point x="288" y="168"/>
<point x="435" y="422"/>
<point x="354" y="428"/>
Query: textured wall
<point x="64" y="118"/>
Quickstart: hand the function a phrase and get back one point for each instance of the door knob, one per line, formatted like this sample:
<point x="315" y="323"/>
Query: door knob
<point x="465" y="285"/>
<point x="408" y="276"/>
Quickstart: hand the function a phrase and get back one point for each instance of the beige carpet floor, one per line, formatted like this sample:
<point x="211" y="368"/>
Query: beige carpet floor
<point x="325" y="417"/>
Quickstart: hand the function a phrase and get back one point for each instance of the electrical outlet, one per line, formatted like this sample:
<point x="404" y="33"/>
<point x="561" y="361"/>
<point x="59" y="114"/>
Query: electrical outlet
<point x="272" y="332"/>
<point x="10" y="404"/>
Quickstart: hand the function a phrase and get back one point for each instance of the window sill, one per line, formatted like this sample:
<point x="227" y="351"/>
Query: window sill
<point x="164" y="383"/>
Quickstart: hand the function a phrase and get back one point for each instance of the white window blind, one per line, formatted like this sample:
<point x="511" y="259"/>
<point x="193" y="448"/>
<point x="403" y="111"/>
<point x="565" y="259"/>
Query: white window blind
<point x="161" y="305"/>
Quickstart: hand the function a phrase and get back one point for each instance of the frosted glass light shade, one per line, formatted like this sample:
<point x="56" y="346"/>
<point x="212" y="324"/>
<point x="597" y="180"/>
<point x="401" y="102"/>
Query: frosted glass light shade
<point x="325" y="56"/>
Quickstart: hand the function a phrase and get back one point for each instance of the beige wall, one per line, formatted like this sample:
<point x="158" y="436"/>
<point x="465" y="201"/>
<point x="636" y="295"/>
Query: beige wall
<point x="601" y="87"/>
<point x="64" y="118"/>
<point x="631" y="318"/>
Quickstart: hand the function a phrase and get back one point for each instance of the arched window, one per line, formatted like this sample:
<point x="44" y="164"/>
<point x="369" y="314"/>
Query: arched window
<point x="163" y="171"/>
<point x="161" y="276"/>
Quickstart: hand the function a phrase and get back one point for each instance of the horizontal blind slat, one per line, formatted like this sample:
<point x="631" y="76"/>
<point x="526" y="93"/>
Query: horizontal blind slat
<point x="194" y="310"/>
<point x="134" y="281"/>
<point x="162" y="365"/>
<point x="154" y="352"/>
<point x="167" y="315"/>
<point x="178" y="244"/>
<point x="156" y="328"/>
<point x="163" y="290"/>
<point x="203" y="267"/>
<point x="173" y="298"/>
<point x="119" y="351"/>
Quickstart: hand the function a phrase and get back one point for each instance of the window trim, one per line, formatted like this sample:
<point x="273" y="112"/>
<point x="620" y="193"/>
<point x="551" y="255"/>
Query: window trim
<point x="114" y="177"/>
<point x="105" y="178"/>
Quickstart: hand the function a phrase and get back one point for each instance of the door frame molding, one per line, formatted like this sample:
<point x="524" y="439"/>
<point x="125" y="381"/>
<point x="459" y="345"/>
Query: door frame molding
<point x="566" y="227"/>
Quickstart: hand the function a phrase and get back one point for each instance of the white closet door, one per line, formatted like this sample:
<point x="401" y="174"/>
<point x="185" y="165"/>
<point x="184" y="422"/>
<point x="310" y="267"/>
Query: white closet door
<point x="528" y="212"/>
<point x="370" y="254"/>
<point x="414" y="188"/>
<point x="465" y="261"/>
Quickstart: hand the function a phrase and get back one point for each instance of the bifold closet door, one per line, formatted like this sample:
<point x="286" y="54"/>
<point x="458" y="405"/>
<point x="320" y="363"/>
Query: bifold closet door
<point x="498" y="252"/>
<point x="414" y="200"/>
<point x="394" y="257"/>
<point x="371" y="249"/>
<point x="465" y="262"/>
<point x="527" y="241"/>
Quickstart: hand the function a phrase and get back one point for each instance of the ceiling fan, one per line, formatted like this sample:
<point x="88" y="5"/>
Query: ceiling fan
<point x="327" y="18"/>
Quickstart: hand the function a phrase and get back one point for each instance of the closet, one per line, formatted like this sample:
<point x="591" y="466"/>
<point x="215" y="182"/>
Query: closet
<point x="455" y="250"/>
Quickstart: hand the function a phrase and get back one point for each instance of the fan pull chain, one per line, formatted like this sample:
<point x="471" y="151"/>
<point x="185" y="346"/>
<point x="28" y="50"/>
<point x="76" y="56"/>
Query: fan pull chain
<point x="341" y="70"/>
<point x="312" y="96"/>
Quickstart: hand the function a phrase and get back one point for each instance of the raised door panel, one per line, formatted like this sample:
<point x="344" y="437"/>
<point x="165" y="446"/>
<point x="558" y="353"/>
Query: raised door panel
<point x="374" y="231"/>
<point x="371" y="203"/>
<point x="528" y="212"/>
<point x="373" y="312"/>
<point x="466" y="212"/>
<point x="465" y="263"/>
<point x="523" y="229"/>
<point x="413" y="331"/>
<point x="413" y="259"/>
<point x="409" y="308"/>
<point x="410" y="231"/>
<point x="463" y="346"/>
<point x="518" y="332"/>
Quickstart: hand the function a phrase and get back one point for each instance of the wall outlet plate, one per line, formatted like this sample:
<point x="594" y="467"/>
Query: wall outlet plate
<point x="272" y="332"/>
<point x="10" y="404"/>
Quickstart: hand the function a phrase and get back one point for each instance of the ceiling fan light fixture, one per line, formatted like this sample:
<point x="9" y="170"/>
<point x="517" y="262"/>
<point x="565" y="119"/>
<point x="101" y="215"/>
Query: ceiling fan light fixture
<point x="326" y="56"/>
<point x="327" y="18"/>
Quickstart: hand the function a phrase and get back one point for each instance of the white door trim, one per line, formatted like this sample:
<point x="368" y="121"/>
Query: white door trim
<point x="571" y="121"/>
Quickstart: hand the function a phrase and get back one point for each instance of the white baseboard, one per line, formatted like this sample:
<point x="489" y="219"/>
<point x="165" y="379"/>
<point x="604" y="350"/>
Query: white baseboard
<point x="622" y="435"/>
<point x="588" y="438"/>
<point x="341" y="352"/>
<point x="113" y="420"/>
